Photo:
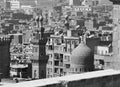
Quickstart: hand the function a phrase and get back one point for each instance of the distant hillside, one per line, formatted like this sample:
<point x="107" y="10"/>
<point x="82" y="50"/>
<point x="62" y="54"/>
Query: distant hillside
<point x="41" y="3"/>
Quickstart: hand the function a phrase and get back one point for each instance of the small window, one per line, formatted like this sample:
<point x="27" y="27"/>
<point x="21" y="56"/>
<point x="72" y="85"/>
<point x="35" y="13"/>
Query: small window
<point x="76" y="69"/>
<point x="97" y="2"/>
<point x="35" y="49"/>
<point x="80" y="69"/>
<point x="56" y="70"/>
<point x="67" y="65"/>
<point x="68" y="58"/>
<point x="72" y="69"/>
<point x="93" y="3"/>
<point x="85" y="69"/>
<point x="42" y="54"/>
<point x="106" y="52"/>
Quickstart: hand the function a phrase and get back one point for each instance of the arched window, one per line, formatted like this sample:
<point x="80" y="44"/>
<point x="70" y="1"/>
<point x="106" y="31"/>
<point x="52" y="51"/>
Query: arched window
<point x="80" y="69"/>
<point x="75" y="69"/>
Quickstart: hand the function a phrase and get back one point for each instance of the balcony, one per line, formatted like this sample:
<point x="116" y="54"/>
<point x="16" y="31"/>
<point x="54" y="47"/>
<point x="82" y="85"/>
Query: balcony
<point x="101" y="56"/>
<point x="50" y="47"/>
<point x="96" y="56"/>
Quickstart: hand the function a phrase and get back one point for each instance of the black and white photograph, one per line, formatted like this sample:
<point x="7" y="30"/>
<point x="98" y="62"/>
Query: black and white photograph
<point x="59" y="43"/>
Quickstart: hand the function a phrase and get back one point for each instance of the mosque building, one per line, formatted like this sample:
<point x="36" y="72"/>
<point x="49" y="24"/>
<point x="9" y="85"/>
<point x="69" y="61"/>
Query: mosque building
<point x="82" y="59"/>
<point x="71" y="55"/>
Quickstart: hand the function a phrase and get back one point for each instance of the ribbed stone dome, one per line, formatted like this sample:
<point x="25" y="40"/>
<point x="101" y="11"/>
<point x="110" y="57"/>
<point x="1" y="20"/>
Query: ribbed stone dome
<point x="82" y="55"/>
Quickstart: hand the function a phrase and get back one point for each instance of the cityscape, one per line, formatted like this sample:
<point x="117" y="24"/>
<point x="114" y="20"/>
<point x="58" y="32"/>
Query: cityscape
<point x="60" y="43"/>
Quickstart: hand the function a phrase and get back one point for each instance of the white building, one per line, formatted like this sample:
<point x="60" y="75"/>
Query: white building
<point x="27" y="8"/>
<point x="14" y="4"/>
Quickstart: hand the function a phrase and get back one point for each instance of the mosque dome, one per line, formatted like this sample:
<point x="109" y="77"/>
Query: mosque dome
<point x="82" y="55"/>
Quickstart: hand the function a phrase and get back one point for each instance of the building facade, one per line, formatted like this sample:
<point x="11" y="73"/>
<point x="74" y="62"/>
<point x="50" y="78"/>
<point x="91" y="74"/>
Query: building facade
<point x="68" y="55"/>
<point x="13" y="4"/>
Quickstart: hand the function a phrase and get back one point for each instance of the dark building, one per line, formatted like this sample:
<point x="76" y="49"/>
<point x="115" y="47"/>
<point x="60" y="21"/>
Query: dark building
<point x="43" y="58"/>
<point x="22" y="16"/>
<point x="5" y="56"/>
<point x="115" y="1"/>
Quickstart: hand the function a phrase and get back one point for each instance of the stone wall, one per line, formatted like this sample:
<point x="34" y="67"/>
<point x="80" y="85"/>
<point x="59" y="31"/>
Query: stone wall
<point x="105" y="81"/>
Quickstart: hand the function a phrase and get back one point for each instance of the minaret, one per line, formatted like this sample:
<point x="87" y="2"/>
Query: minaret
<point x="67" y="22"/>
<point x="39" y="21"/>
<point x="43" y="58"/>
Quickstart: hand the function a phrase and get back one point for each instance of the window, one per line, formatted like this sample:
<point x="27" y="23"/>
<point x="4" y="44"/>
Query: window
<point x="101" y="52"/>
<point x="76" y="43"/>
<point x="72" y="69"/>
<point x="107" y="63"/>
<point x="97" y="2"/>
<point x="118" y="50"/>
<point x="93" y="3"/>
<point x="33" y="34"/>
<point x="56" y="63"/>
<point x="61" y="70"/>
<point x="67" y="65"/>
<point x="67" y="58"/>
<point x="61" y="48"/>
<point x="68" y="41"/>
<point x="55" y="70"/>
<point x="73" y="42"/>
<point x="35" y="49"/>
<point x="50" y="62"/>
<point x="61" y="56"/>
<point x="42" y="54"/>
<point x="106" y="52"/>
<point x="49" y="70"/>
<point x="50" y="55"/>
<point x="79" y="13"/>
<point x="56" y="47"/>
<point x="85" y="69"/>
<point x="48" y="41"/>
<point x="76" y="70"/>
<point x="80" y="70"/>
<point x="56" y="56"/>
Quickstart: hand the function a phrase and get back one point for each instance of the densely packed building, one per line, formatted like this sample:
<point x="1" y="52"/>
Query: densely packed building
<point x="75" y="36"/>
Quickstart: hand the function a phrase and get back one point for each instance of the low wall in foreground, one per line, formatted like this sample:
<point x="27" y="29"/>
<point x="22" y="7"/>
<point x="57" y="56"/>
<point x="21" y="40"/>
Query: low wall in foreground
<point x="103" y="78"/>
